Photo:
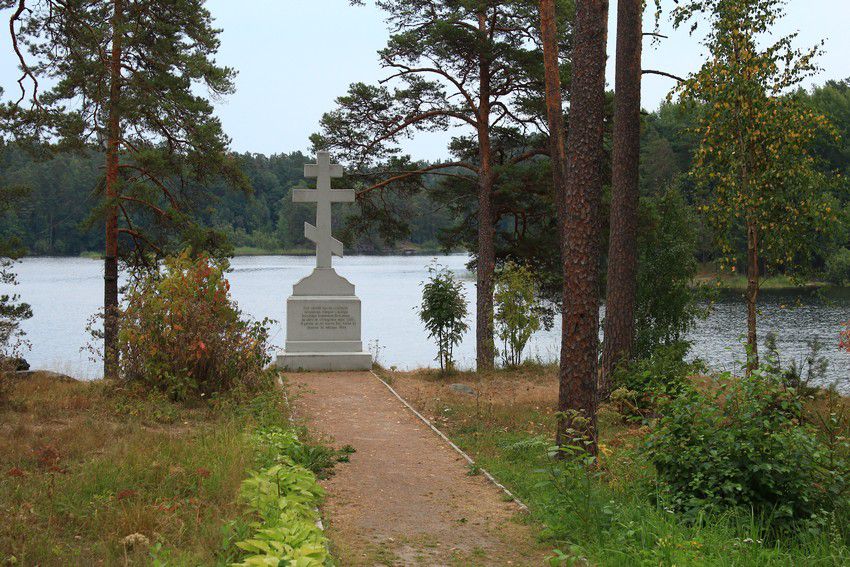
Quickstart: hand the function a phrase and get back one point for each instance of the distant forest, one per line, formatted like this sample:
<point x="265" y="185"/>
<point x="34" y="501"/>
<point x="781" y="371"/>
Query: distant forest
<point x="60" y="214"/>
<point x="57" y="217"/>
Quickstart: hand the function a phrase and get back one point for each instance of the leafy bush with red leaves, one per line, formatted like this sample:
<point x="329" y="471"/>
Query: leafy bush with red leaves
<point x="844" y="338"/>
<point x="182" y="333"/>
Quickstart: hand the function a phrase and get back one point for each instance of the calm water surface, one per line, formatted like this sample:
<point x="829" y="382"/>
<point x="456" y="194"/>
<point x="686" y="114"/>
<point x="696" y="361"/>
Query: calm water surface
<point x="65" y="292"/>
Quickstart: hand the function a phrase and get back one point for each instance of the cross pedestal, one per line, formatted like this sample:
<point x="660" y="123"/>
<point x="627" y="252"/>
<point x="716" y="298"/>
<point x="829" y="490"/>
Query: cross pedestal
<point x="323" y="314"/>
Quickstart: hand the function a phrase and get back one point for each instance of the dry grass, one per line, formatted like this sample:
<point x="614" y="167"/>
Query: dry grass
<point x="523" y="401"/>
<point x="84" y="465"/>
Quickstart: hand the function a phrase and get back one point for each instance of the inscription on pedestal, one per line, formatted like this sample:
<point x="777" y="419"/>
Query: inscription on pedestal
<point x="326" y="317"/>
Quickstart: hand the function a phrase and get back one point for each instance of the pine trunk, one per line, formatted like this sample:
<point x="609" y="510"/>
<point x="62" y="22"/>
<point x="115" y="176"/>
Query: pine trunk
<point x="577" y="400"/>
<point x="554" y="110"/>
<point x="752" y="297"/>
<point x="484" y="347"/>
<point x="110" y="272"/>
<point x="622" y="250"/>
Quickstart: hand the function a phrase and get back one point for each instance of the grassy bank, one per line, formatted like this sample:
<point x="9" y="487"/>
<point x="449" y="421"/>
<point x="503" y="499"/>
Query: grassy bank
<point x="733" y="281"/>
<point x="97" y="474"/>
<point x="606" y="516"/>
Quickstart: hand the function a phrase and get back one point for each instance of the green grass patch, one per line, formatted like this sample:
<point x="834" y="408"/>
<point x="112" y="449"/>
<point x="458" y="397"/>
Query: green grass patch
<point x="608" y="515"/>
<point x="611" y="521"/>
<point x="97" y="474"/>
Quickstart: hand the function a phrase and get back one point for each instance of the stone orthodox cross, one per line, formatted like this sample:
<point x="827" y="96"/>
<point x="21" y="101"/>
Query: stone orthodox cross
<point x="326" y="245"/>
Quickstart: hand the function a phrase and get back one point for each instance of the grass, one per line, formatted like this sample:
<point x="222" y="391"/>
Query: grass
<point x="85" y="466"/>
<point x="734" y="281"/>
<point x="606" y="516"/>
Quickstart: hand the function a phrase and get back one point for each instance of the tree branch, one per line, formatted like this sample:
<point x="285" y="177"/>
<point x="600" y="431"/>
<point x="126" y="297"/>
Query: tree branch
<point x="137" y="235"/>
<point x="147" y="204"/>
<point x="424" y="171"/>
<point x="663" y="74"/>
<point x="405" y="70"/>
<point x="27" y="72"/>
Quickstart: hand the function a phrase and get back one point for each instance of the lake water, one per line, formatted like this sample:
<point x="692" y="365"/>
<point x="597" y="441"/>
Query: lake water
<point x="65" y="292"/>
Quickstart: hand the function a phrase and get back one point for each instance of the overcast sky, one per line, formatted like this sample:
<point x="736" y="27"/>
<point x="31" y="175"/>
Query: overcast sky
<point x="295" y="57"/>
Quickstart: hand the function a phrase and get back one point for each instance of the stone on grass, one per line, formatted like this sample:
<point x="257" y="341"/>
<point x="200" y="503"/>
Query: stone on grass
<point x="463" y="389"/>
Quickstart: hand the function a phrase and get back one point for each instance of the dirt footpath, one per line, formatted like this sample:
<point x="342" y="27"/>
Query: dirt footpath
<point x="405" y="498"/>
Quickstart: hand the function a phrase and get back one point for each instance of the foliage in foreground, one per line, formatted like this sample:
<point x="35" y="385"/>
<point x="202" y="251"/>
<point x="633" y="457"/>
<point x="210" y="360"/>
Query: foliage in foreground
<point x="104" y="473"/>
<point x="610" y="514"/>
<point x="182" y="334"/>
<point x="744" y="445"/>
<point x="112" y="474"/>
<point x="284" y="496"/>
<point x="648" y="383"/>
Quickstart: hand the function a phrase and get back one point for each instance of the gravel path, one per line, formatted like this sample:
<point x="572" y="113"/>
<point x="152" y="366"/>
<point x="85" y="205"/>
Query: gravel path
<point x="405" y="498"/>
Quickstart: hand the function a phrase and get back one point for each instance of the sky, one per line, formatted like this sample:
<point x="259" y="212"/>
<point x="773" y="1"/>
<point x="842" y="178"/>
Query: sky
<point x="294" y="57"/>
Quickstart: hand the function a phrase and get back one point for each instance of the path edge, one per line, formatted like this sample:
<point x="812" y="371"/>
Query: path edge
<point x="291" y="418"/>
<point x="451" y="444"/>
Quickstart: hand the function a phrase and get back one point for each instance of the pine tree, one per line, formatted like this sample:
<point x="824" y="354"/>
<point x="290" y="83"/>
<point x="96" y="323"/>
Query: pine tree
<point x="12" y="309"/>
<point x="577" y="398"/>
<point x="471" y="65"/>
<point x="625" y="163"/>
<point x="126" y="76"/>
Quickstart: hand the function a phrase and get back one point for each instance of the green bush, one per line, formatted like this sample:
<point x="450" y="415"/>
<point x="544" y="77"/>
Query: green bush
<point x="182" y="333"/>
<point x="668" y="303"/>
<point x="444" y="310"/>
<point x="517" y="315"/>
<point x="741" y="446"/>
<point x="838" y="267"/>
<point x="643" y="386"/>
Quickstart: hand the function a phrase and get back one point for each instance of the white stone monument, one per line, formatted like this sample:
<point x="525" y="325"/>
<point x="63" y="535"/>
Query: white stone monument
<point x="323" y="314"/>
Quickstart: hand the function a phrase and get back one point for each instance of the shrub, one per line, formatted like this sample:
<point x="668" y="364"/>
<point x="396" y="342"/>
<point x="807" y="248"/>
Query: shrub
<point x="806" y="376"/>
<point x="743" y="445"/>
<point x="838" y="267"/>
<point x="444" y="311"/>
<point x="517" y="315"/>
<point x="182" y="333"/>
<point x="668" y="303"/>
<point x="643" y="386"/>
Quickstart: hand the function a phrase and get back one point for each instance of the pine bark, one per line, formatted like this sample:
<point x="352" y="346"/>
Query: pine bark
<point x="577" y="400"/>
<point x="554" y="110"/>
<point x="622" y="249"/>
<point x="485" y="273"/>
<point x="110" y="271"/>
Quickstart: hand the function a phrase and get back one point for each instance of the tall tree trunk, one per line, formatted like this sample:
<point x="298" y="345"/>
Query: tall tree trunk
<point x="554" y="111"/>
<point x="622" y="250"/>
<point x="752" y="296"/>
<point x="484" y="347"/>
<point x="577" y="400"/>
<point x="110" y="271"/>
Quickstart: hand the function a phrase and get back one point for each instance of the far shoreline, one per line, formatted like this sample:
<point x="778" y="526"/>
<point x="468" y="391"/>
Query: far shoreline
<point x="722" y="282"/>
